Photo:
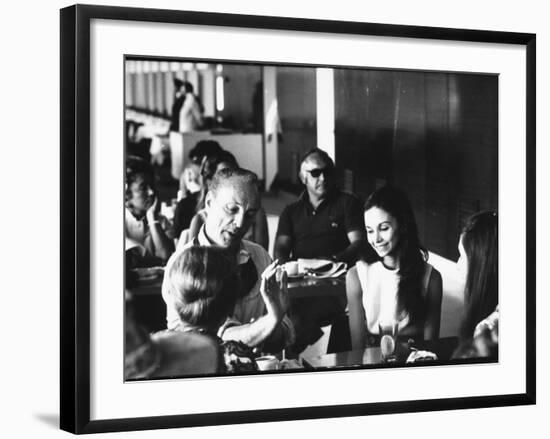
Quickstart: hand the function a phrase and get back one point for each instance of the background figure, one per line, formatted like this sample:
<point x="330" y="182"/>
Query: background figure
<point x="478" y="262"/>
<point x="146" y="242"/>
<point x="191" y="184"/>
<point x="188" y="198"/>
<point x="401" y="287"/>
<point x="177" y="103"/>
<point x="189" y="180"/>
<point x="191" y="113"/>
<point x="204" y="148"/>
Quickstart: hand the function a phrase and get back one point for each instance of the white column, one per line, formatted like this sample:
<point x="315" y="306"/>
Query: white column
<point x="271" y="125"/>
<point x="325" y="111"/>
<point x="208" y="91"/>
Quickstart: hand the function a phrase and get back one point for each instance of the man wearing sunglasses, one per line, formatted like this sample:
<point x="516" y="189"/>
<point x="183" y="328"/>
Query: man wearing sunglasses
<point x="323" y="223"/>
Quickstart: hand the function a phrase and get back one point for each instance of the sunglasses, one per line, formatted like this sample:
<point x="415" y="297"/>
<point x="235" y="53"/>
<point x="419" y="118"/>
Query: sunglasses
<point x="318" y="171"/>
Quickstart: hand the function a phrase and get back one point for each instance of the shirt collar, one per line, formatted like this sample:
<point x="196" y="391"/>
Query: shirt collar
<point x="304" y="199"/>
<point x="243" y="255"/>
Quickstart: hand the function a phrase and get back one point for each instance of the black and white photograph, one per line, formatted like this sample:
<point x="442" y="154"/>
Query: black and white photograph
<point x="286" y="218"/>
<point x="276" y="218"/>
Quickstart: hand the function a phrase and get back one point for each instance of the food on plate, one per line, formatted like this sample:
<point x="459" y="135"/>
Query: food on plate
<point x="238" y="357"/>
<point x="419" y="356"/>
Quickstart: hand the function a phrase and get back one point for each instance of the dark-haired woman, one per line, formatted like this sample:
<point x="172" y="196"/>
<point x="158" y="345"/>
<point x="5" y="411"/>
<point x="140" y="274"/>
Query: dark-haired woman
<point x="478" y="262"/>
<point x="401" y="287"/>
<point x="146" y="241"/>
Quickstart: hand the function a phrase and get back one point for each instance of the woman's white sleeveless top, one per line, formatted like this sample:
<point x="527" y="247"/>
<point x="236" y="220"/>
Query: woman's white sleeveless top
<point x="379" y="286"/>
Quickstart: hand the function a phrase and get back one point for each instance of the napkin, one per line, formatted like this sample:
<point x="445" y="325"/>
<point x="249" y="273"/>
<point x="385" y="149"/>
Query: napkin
<point x="418" y="356"/>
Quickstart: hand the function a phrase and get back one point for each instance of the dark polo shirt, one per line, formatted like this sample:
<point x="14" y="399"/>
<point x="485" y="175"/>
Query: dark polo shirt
<point x="321" y="232"/>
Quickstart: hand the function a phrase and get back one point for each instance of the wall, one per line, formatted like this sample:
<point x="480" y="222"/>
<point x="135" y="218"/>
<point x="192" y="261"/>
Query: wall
<point x="297" y="111"/>
<point x="433" y="134"/>
<point x="240" y="81"/>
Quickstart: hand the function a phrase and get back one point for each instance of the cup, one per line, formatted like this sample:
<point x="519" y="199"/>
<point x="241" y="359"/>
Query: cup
<point x="388" y="340"/>
<point x="267" y="362"/>
<point x="291" y="268"/>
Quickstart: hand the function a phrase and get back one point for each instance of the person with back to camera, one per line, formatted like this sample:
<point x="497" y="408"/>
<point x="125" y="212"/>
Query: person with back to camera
<point x="146" y="241"/>
<point x="478" y="263"/>
<point x="401" y="286"/>
<point x="216" y="162"/>
<point x="203" y="283"/>
<point x="259" y="318"/>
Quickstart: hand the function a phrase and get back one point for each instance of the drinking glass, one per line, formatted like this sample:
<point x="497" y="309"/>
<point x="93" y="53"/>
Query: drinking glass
<point x="388" y="340"/>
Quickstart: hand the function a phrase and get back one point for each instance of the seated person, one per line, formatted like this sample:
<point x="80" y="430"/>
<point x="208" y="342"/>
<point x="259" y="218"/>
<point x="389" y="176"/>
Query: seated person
<point x="478" y="262"/>
<point x="203" y="285"/>
<point x="259" y="315"/>
<point x="401" y="287"/>
<point x="167" y="354"/>
<point x="324" y="223"/>
<point x="257" y="232"/>
<point x="191" y="184"/>
<point x="203" y="149"/>
<point x="186" y="207"/>
<point x="146" y="241"/>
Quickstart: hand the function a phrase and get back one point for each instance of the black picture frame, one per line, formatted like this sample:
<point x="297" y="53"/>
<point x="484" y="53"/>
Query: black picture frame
<point x="75" y="216"/>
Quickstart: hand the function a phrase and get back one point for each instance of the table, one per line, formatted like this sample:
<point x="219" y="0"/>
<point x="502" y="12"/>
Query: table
<point x="302" y="288"/>
<point x="372" y="356"/>
<point x="150" y="309"/>
<point x="311" y="287"/>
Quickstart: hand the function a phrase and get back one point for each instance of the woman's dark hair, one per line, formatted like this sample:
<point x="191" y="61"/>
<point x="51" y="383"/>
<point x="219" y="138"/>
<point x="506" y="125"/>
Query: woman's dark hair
<point x="204" y="148"/>
<point x="412" y="255"/>
<point x="480" y="242"/>
<point x="204" y="284"/>
<point x="208" y="169"/>
<point x="210" y="165"/>
<point x="188" y="87"/>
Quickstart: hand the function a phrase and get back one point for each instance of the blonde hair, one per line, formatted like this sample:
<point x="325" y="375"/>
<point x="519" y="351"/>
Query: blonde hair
<point x="204" y="285"/>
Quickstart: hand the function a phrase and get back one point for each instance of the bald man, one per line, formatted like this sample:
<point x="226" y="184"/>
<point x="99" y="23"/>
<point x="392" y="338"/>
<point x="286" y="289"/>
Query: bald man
<point x="258" y="319"/>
